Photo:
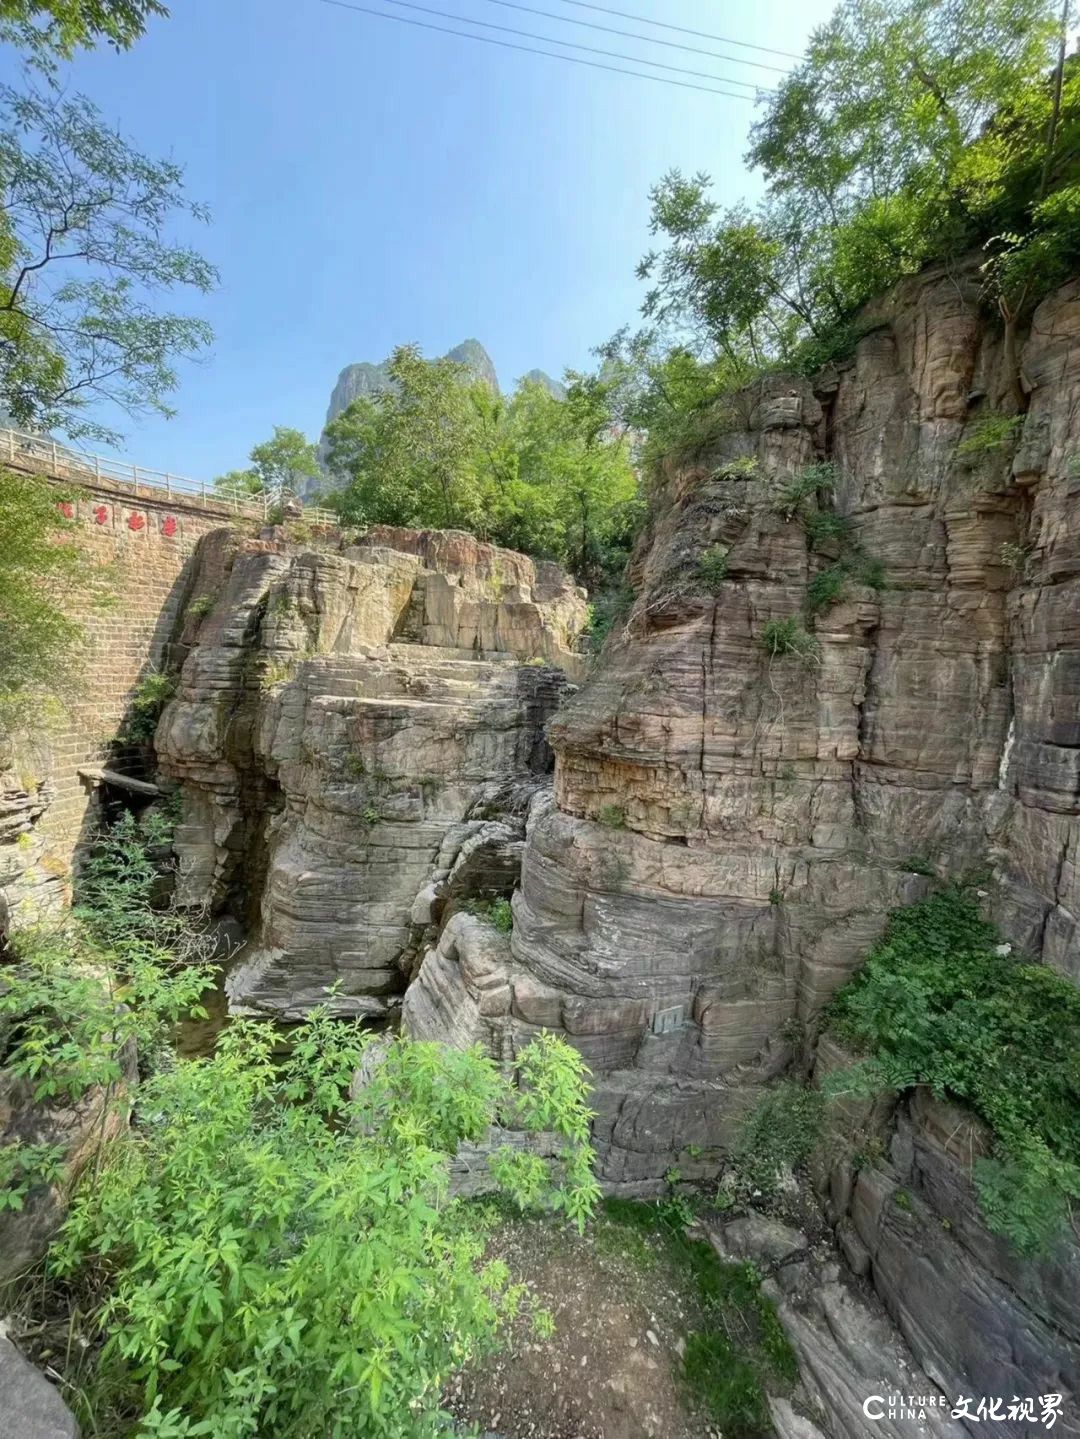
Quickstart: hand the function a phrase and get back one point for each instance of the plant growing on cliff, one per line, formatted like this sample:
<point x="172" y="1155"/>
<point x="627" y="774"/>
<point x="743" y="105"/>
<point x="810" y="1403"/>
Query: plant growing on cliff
<point x="276" y="1258"/>
<point x="152" y="694"/>
<point x="788" y="637"/>
<point x="942" y="1002"/>
<point x="498" y="913"/>
<point x="992" y="432"/>
<point x="778" y="1135"/>
<point x="612" y="816"/>
<point x="712" y="568"/>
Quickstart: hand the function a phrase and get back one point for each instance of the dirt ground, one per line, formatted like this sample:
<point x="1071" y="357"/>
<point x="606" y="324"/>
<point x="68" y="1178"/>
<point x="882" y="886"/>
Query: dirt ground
<point x="612" y="1368"/>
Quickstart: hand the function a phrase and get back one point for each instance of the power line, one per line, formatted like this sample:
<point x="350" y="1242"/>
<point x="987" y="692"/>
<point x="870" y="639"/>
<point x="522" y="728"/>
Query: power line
<point x="531" y="50"/>
<point x="647" y="39"/>
<point x="573" y="45"/>
<point x="682" y="29"/>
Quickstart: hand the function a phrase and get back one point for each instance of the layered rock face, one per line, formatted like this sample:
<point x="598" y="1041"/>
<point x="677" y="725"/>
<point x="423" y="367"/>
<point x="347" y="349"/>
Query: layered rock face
<point x="730" y="825"/>
<point x="341" y="716"/>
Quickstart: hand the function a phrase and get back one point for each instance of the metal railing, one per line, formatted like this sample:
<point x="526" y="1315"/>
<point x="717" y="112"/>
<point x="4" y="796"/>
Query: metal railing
<point x="65" y="463"/>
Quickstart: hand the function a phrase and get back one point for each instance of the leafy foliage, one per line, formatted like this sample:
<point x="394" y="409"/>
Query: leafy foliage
<point x="612" y="816"/>
<point x="787" y="637"/>
<point x="279" y="467"/>
<point x="533" y="472"/>
<point x="941" y="1001"/>
<point x="76" y="194"/>
<point x="827" y="588"/>
<point x="992" y="432"/>
<point x="45" y="578"/>
<point x="152" y="693"/>
<point x="281" y="1259"/>
<point x="497" y="912"/>
<point x="713" y="567"/>
<point x="48" y="30"/>
<point x="777" y="1136"/>
<point x="910" y="131"/>
<point x="814" y="482"/>
<point x="79" y="998"/>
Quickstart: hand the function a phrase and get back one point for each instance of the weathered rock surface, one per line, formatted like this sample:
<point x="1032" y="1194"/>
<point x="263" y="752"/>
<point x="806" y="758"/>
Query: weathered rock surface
<point x="28" y="882"/>
<point x="848" y="1350"/>
<point x="977" y="1316"/>
<point x="30" y="1408"/>
<point x="340" y="717"/>
<point x="729" y="827"/>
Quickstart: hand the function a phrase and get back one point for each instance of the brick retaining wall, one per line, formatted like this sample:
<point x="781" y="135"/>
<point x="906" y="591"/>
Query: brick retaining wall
<point x="147" y="539"/>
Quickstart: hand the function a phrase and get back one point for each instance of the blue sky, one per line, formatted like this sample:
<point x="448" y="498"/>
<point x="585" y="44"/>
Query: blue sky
<point x="371" y="183"/>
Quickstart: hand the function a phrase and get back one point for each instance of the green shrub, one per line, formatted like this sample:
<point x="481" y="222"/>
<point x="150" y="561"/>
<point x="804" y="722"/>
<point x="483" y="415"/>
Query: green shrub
<point x="1016" y="558"/>
<point x="713" y="567"/>
<point x="612" y="815"/>
<point x="871" y="571"/>
<point x="274" y="673"/>
<point x="77" y="995"/>
<point x="47" y="583"/>
<point x="787" y="637"/>
<point x="992" y="432"/>
<point x="270" y="1257"/>
<point x="200" y="607"/>
<point x="776" y="1137"/>
<point x="941" y="1002"/>
<point x="826" y="589"/>
<point x="813" y="482"/>
<point x="152" y="694"/>
<point x="745" y="467"/>
<point x="609" y="609"/>
<point x="497" y="912"/>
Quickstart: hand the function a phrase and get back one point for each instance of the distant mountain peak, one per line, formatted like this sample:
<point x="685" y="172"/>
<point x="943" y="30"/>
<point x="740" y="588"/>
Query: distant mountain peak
<point x="364" y="378"/>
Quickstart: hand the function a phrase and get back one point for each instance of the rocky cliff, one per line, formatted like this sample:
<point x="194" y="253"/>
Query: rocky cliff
<point x="349" y="720"/>
<point x="733" y="816"/>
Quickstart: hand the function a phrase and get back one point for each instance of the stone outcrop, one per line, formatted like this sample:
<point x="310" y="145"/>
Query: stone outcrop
<point x="343" y="720"/>
<point x="847" y="1348"/>
<point x="730" y="825"/>
<point x="30" y="1408"/>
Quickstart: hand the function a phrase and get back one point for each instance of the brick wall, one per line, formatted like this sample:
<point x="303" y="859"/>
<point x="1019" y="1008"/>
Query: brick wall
<point x="147" y="538"/>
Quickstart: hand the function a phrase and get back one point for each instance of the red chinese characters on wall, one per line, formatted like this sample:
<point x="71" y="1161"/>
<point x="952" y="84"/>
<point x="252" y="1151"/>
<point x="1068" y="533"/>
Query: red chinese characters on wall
<point x="101" y="515"/>
<point x="67" y="509"/>
<point x="168" y="526"/>
<point x="136" y="521"/>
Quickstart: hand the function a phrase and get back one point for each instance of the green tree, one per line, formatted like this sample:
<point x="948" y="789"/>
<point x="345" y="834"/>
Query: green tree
<point x="83" y="252"/>
<point x="407" y="455"/>
<point x="910" y="130"/>
<point x="45" y="579"/>
<point x="548" y="475"/>
<point x="48" y="30"/>
<point x="279" y="467"/>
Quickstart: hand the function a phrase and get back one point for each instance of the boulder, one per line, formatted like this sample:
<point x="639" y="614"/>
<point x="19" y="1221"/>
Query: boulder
<point x="30" y="1408"/>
